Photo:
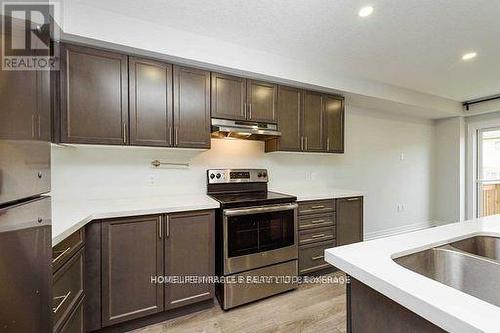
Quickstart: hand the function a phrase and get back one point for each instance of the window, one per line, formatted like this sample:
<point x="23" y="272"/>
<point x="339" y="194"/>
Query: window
<point x="488" y="172"/>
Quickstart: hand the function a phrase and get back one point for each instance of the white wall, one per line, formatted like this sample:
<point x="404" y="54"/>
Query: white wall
<point x="372" y="163"/>
<point x="449" y="168"/>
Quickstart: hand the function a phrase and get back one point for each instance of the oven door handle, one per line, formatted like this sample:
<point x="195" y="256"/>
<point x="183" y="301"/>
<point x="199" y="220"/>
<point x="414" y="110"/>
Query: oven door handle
<point x="257" y="210"/>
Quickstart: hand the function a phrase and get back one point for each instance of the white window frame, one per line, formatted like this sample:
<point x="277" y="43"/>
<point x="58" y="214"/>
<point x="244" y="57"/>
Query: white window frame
<point x="473" y="129"/>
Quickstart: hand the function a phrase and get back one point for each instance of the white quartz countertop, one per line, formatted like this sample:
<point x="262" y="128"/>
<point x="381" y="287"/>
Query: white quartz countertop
<point x="307" y="192"/>
<point x="70" y="214"/>
<point x="371" y="263"/>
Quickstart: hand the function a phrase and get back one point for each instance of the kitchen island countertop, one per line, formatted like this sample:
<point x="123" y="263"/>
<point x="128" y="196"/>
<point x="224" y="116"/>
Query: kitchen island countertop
<point x="371" y="263"/>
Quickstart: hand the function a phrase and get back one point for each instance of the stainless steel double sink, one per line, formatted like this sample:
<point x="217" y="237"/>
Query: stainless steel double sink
<point x="470" y="265"/>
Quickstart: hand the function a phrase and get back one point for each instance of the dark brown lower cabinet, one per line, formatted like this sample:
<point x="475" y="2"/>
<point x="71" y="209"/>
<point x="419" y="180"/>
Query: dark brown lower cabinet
<point x="369" y="311"/>
<point x="126" y="254"/>
<point x="75" y="323"/>
<point x="189" y="251"/>
<point x="349" y="220"/>
<point x="132" y="252"/>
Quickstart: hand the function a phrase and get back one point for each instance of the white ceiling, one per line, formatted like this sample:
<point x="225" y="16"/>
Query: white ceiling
<point x="416" y="44"/>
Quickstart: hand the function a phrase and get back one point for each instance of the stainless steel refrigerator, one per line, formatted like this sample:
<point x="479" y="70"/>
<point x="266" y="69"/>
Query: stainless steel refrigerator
<point x="25" y="208"/>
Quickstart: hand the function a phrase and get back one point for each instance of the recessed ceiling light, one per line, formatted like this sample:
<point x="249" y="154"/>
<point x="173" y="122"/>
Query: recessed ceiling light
<point x="365" y="11"/>
<point x="469" y="56"/>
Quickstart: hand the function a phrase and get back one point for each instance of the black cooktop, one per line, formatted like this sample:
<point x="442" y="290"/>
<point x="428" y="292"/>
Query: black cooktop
<point x="243" y="199"/>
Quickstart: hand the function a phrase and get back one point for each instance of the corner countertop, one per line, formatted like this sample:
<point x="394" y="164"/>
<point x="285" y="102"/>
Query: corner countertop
<point x="71" y="214"/>
<point x="305" y="193"/>
<point x="371" y="263"/>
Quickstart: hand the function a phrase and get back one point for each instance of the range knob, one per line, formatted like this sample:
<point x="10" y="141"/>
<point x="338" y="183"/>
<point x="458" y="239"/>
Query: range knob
<point x="212" y="176"/>
<point x="264" y="174"/>
<point x="218" y="176"/>
<point x="259" y="174"/>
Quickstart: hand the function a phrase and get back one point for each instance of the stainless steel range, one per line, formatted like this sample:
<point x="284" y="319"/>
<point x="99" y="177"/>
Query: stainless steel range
<point x="256" y="236"/>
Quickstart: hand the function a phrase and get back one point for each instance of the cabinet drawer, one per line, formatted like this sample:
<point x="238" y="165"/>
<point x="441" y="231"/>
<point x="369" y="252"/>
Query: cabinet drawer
<point x="75" y="322"/>
<point x="312" y="257"/>
<point x="316" y="221"/>
<point x="66" y="249"/>
<point x="67" y="289"/>
<point x="316" y="235"/>
<point x="316" y="206"/>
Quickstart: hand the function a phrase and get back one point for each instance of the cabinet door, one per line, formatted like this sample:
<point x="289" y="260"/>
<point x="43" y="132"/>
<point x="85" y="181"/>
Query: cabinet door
<point x="349" y="220"/>
<point x="189" y="251"/>
<point x="94" y="96"/>
<point x="150" y="95"/>
<point x="132" y="253"/>
<point x="261" y="99"/>
<point x="334" y="124"/>
<point x="289" y="117"/>
<point x="313" y="118"/>
<point x="191" y="108"/>
<point x="228" y="97"/>
<point x="18" y="96"/>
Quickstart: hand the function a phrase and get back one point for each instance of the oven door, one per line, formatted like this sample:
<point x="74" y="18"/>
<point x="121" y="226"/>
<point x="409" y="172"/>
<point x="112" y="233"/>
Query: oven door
<point x="259" y="236"/>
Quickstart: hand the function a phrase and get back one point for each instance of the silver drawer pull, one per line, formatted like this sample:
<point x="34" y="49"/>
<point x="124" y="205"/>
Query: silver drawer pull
<point x="317" y="257"/>
<point x="64" y="298"/>
<point x="318" y="207"/>
<point x="317" y="221"/>
<point x="60" y="255"/>
<point x="318" y="236"/>
<point x="353" y="199"/>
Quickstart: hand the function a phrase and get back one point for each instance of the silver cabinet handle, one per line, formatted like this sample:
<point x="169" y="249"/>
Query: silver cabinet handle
<point x="33" y="125"/>
<point x="257" y="210"/>
<point x="64" y="298"/>
<point x="305" y="142"/>
<point x="160" y="223"/>
<point x="327" y="144"/>
<point x="176" y="135"/>
<point x="318" y="236"/>
<point x="245" y="110"/>
<point x="317" y="221"/>
<point x="39" y="126"/>
<point x="124" y="132"/>
<point x="317" y="257"/>
<point x="60" y="255"/>
<point x="301" y="142"/>
<point x="250" y="111"/>
<point x="170" y="135"/>
<point x="352" y="199"/>
<point x="168" y="226"/>
<point x="318" y="207"/>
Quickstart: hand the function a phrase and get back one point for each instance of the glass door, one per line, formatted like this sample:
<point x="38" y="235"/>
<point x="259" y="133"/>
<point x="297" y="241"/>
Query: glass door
<point x="254" y="233"/>
<point x="488" y="172"/>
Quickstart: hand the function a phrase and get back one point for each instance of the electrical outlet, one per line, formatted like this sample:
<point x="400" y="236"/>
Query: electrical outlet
<point x="152" y="180"/>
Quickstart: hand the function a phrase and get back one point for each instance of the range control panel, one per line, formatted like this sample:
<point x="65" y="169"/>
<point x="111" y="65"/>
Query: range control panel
<point x="220" y="176"/>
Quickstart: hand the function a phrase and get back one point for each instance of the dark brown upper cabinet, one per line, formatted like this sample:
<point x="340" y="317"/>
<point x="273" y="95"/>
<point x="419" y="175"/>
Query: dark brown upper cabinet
<point x="189" y="251"/>
<point x="237" y="98"/>
<point x="313" y="122"/>
<point x="150" y="95"/>
<point x="94" y="96"/>
<point x="25" y="98"/>
<point x="261" y="101"/>
<point x="349" y="220"/>
<point x="334" y="124"/>
<point x="309" y="121"/>
<point x="132" y="252"/>
<point x="228" y="97"/>
<point x="191" y="108"/>
<point x="290" y="120"/>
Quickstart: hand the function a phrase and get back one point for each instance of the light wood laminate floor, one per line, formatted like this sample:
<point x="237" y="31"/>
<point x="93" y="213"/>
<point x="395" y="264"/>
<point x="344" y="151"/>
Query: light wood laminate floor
<point x="310" y="308"/>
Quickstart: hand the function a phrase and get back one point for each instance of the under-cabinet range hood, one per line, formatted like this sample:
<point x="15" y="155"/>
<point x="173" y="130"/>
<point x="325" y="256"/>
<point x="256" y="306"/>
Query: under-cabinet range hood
<point x="241" y="129"/>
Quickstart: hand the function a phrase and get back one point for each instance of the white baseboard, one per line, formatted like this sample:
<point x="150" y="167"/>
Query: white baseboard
<point x="399" y="230"/>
